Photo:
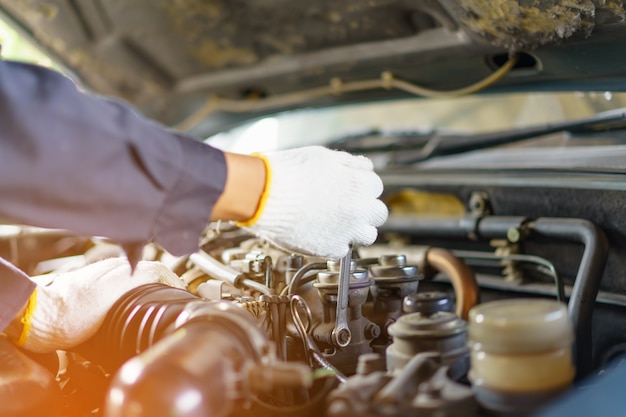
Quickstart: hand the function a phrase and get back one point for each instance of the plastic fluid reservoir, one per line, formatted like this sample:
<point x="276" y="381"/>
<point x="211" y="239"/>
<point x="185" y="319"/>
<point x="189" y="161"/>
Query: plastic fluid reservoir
<point x="521" y="353"/>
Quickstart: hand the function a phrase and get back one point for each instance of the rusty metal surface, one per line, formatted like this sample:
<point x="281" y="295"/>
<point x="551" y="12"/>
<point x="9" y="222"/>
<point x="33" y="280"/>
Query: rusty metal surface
<point x="528" y="24"/>
<point x="168" y="56"/>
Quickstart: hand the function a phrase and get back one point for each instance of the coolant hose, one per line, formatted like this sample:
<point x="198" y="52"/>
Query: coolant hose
<point x="461" y="276"/>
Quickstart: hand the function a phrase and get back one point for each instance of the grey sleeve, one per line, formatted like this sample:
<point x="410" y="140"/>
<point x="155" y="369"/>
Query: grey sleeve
<point x="93" y="166"/>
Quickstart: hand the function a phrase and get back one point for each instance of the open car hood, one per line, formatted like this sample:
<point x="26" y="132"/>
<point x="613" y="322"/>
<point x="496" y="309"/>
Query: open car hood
<point x="172" y="57"/>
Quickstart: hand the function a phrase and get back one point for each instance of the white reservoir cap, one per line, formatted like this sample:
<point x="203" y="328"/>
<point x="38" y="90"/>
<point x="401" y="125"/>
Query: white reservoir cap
<point x="519" y="326"/>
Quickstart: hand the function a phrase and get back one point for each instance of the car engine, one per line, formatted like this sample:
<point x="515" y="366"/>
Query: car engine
<point x="466" y="322"/>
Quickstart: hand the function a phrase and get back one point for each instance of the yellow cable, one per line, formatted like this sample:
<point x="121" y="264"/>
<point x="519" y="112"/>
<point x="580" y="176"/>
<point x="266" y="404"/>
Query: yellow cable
<point x="473" y="88"/>
<point x="336" y="86"/>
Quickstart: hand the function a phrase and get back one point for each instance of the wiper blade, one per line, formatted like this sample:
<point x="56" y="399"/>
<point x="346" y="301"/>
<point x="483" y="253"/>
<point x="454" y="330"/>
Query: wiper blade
<point x="412" y="146"/>
<point x="377" y="141"/>
<point x="445" y="144"/>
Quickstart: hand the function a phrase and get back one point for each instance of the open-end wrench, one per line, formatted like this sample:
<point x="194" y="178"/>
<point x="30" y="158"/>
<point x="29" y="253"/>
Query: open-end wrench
<point x="341" y="335"/>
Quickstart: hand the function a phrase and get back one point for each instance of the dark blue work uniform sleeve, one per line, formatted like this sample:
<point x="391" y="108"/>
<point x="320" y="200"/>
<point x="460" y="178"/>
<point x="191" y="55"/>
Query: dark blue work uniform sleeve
<point x="15" y="290"/>
<point x="93" y="166"/>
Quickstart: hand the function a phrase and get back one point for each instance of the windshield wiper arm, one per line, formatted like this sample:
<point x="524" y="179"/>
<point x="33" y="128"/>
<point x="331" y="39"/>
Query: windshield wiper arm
<point x="445" y="144"/>
<point x="381" y="141"/>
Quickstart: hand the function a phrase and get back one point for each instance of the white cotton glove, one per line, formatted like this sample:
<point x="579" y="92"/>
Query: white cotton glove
<point x="70" y="308"/>
<point x="318" y="201"/>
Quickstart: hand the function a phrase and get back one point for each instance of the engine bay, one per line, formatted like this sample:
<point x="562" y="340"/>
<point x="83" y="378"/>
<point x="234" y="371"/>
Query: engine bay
<point x="473" y="315"/>
<point x="496" y="287"/>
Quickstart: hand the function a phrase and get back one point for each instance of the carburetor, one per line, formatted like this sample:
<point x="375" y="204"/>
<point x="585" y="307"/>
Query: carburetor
<point x="393" y="281"/>
<point x="362" y="330"/>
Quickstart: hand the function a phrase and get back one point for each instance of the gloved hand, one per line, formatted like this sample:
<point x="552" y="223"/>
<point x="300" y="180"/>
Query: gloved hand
<point x="318" y="201"/>
<point x="72" y="305"/>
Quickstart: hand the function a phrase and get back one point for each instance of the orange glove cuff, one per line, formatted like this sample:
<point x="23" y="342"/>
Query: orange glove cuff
<point x="27" y="318"/>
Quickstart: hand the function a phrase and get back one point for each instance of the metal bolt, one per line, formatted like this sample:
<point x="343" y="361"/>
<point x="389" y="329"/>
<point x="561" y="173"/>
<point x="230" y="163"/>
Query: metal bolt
<point x="342" y="337"/>
<point x="514" y="235"/>
<point x="294" y="261"/>
<point x="372" y="331"/>
<point x="392" y="260"/>
<point x="426" y="303"/>
<point x="479" y="204"/>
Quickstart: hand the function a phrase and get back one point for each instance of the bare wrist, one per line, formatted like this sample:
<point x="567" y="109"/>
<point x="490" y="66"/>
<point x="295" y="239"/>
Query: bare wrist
<point x="244" y="187"/>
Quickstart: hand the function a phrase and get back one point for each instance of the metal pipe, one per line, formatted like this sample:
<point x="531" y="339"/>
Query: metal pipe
<point x="497" y="227"/>
<point x="325" y="364"/>
<point x="257" y="286"/>
<point x="310" y="348"/>
<point x="429" y="226"/>
<point x="282" y="317"/>
<point x="543" y="265"/>
<point x="299" y="275"/>
<point x="275" y="322"/>
<point x="581" y="231"/>
<point x="588" y="278"/>
<point x="216" y="269"/>
<point x="462" y="278"/>
<point x="489" y="227"/>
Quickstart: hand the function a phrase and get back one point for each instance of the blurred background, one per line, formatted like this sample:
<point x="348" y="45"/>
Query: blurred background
<point x="472" y="114"/>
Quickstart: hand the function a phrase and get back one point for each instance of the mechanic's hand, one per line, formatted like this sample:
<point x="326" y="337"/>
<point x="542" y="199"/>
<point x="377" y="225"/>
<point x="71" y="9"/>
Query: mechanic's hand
<point x="318" y="201"/>
<point x="67" y="308"/>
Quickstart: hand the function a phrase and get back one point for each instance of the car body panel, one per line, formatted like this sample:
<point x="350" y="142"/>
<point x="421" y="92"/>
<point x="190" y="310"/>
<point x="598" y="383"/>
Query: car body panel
<point x="166" y="57"/>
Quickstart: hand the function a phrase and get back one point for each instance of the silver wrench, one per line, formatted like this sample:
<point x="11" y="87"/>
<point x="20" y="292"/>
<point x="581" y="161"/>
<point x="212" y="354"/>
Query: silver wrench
<point x="341" y="335"/>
